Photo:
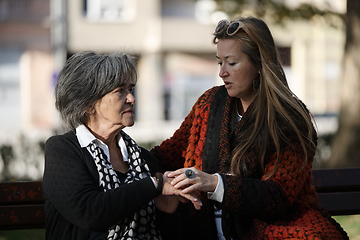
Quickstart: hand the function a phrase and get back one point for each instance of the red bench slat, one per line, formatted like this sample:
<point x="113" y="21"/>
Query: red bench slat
<point x="22" y="217"/>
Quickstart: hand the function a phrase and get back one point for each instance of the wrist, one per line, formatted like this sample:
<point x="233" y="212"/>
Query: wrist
<point x="216" y="181"/>
<point x="159" y="181"/>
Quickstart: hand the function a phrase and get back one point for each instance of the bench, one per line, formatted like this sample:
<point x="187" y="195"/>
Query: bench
<point x="338" y="190"/>
<point x="22" y="204"/>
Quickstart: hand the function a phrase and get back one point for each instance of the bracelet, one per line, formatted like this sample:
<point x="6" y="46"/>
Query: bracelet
<point x="160" y="180"/>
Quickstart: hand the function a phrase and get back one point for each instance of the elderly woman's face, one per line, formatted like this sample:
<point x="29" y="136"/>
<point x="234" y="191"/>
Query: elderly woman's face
<point x="116" y="109"/>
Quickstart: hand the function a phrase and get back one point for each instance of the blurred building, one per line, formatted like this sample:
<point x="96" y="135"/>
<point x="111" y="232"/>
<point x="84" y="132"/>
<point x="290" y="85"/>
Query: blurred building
<point x="26" y="67"/>
<point x="176" y="59"/>
<point x="172" y="39"/>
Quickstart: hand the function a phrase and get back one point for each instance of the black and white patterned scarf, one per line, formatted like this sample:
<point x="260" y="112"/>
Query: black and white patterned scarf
<point x="141" y="225"/>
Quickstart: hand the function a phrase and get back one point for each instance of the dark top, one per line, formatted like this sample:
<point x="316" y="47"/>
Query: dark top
<point x="283" y="206"/>
<point x="96" y="235"/>
<point x="75" y="204"/>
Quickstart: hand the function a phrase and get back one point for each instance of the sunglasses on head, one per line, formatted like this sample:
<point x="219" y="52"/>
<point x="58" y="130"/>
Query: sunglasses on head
<point x="231" y="27"/>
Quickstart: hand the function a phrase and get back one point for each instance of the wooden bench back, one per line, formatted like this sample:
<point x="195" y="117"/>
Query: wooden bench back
<point x="22" y="204"/>
<point x="338" y="190"/>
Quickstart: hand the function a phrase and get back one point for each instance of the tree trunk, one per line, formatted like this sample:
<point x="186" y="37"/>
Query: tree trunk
<point x="346" y="142"/>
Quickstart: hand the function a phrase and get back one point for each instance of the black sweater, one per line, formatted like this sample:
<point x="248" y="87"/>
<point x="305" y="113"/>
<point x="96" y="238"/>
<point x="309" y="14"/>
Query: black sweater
<point x="75" y="204"/>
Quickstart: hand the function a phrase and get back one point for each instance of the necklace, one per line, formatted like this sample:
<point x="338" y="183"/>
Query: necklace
<point x="238" y="116"/>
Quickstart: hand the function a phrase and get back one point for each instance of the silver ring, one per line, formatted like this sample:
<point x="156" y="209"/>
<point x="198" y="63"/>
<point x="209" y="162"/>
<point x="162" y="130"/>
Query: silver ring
<point x="190" y="174"/>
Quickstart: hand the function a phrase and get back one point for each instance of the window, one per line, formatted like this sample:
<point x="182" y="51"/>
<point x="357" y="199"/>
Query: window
<point x="10" y="105"/>
<point x="24" y="10"/>
<point x="110" y="10"/>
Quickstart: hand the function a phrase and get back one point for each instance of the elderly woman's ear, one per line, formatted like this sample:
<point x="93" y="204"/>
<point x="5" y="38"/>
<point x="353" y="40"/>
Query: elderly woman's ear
<point x="91" y="110"/>
<point x="88" y="112"/>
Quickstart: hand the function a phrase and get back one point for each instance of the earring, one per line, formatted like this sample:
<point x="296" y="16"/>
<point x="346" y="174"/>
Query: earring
<point x="256" y="84"/>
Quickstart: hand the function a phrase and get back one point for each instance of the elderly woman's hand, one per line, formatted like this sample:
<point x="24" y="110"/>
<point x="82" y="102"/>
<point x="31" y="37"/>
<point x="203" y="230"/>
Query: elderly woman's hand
<point x="192" y="179"/>
<point x="168" y="201"/>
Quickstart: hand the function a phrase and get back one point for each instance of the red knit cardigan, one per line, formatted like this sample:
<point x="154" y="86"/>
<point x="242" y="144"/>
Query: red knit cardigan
<point x="284" y="206"/>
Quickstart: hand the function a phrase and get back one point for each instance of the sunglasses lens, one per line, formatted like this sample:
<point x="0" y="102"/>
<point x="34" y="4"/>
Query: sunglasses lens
<point x="233" y="28"/>
<point x="220" y="27"/>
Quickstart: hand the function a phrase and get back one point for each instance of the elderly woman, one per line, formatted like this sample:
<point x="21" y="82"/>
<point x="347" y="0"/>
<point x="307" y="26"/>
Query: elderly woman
<point x="98" y="183"/>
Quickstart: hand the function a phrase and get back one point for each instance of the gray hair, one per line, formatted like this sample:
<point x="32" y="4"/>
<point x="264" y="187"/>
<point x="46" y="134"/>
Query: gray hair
<point x="86" y="78"/>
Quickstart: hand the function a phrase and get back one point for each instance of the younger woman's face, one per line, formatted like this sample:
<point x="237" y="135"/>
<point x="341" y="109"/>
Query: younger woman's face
<point x="236" y="70"/>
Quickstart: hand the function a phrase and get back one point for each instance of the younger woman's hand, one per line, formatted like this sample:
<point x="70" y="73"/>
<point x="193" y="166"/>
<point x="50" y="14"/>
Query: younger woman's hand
<point x="199" y="181"/>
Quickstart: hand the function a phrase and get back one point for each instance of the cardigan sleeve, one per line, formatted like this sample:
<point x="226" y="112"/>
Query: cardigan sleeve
<point x="271" y="197"/>
<point x="170" y="153"/>
<point x="69" y="187"/>
<point x="173" y="153"/>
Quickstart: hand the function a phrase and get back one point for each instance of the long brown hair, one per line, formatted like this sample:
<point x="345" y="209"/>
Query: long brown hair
<point x="273" y="101"/>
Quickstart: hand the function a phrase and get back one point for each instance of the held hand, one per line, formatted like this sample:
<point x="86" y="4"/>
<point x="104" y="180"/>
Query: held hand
<point x="169" y="189"/>
<point x="170" y="197"/>
<point x="194" y="180"/>
<point x="166" y="204"/>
